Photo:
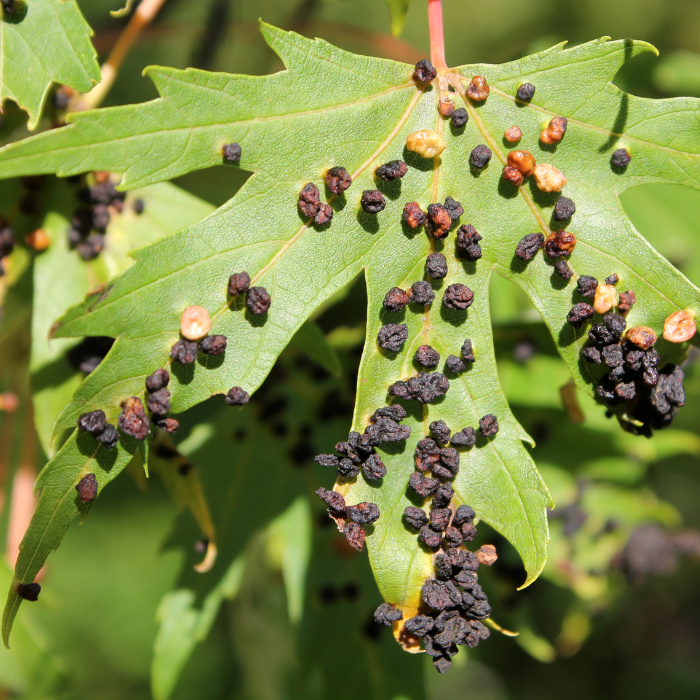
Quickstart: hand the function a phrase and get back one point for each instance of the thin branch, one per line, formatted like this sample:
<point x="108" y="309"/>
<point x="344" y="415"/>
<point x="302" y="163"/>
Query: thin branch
<point x="437" y="37"/>
<point x="142" y="17"/>
<point x="23" y="501"/>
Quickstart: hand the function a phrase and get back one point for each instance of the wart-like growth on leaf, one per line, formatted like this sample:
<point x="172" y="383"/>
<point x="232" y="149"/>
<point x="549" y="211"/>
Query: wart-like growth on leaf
<point x="87" y="488"/>
<point x="232" y="153"/>
<point x="426" y="143"/>
<point x="366" y="113"/>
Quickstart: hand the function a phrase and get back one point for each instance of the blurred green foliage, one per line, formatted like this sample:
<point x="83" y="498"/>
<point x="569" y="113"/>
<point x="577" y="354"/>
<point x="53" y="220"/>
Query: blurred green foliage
<point x="284" y="611"/>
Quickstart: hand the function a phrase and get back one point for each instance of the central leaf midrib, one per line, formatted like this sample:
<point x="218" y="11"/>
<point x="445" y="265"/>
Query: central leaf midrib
<point x="423" y="333"/>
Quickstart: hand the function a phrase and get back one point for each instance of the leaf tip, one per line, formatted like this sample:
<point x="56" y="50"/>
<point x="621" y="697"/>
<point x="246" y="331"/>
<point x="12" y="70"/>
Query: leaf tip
<point x="267" y="30"/>
<point x="495" y="626"/>
<point x="633" y="47"/>
<point x="397" y="25"/>
<point x="33" y="120"/>
<point x="651" y="48"/>
<point x="532" y="576"/>
<point x="279" y="40"/>
<point x="209" y="559"/>
<point x="54" y="329"/>
<point x="8" y="616"/>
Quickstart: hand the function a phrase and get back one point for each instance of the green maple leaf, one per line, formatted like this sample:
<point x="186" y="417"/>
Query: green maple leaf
<point x="44" y="42"/>
<point x="333" y="108"/>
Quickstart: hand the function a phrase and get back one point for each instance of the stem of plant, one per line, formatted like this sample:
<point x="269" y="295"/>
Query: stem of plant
<point x="437" y="37"/>
<point x="142" y="17"/>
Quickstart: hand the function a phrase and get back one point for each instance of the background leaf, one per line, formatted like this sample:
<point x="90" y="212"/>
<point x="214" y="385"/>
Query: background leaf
<point x="310" y="340"/>
<point x="234" y="454"/>
<point x="289" y="548"/>
<point x="43" y="43"/>
<point x="399" y="10"/>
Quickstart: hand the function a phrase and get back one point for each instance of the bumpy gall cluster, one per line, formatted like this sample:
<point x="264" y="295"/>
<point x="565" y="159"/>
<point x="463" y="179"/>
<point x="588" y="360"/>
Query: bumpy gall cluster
<point x="232" y="153"/>
<point x="453" y="603"/>
<point x="95" y="424"/>
<point x="424" y="72"/>
<point x="555" y="130"/>
<point x="311" y="206"/>
<point x="90" y="219"/>
<point x="338" y="180"/>
<point x="87" y="488"/>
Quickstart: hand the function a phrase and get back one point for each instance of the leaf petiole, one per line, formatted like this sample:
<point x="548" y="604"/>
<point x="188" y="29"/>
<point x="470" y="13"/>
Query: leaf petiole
<point x="437" y="37"/>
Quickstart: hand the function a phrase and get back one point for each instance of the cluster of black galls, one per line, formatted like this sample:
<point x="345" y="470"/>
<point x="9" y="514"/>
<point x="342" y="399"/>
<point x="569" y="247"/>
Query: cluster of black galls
<point x="257" y="301"/>
<point x="133" y="420"/>
<point x="95" y="423"/>
<point x="454" y="604"/>
<point x="443" y="463"/>
<point x="651" y="397"/>
<point x="185" y="352"/>
<point x="359" y="454"/>
<point x="89" y="222"/>
<point x="426" y="387"/>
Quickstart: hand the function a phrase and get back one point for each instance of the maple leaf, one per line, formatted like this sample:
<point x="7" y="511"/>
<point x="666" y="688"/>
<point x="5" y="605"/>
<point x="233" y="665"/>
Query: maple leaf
<point x="42" y="43"/>
<point x="331" y="108"/>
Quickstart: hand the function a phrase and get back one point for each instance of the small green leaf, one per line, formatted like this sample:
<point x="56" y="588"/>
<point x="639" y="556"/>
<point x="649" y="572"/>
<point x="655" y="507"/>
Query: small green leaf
<point x="289" y="548"/>
<point x="44" y="42"/>
<point x="183" y="625"/>
<point x="233" y="449"/>
<point x="399" y="10"/>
